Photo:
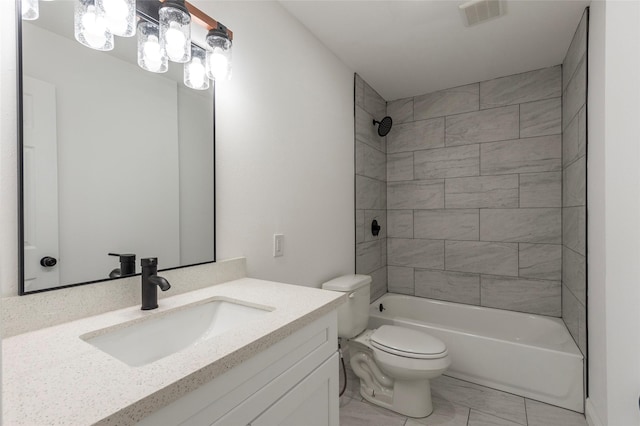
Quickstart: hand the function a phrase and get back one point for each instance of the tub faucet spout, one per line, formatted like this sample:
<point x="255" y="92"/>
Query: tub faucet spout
<point x="150" y="283"/>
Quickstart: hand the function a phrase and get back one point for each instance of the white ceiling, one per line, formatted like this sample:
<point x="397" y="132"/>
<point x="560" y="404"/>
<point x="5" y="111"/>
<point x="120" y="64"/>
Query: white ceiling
<point x="407" y="48"/>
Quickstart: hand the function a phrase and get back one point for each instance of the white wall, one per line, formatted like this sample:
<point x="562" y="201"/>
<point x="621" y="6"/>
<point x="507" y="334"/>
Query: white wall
<point x="284" y="160"/>
<point x="614" y="213"/>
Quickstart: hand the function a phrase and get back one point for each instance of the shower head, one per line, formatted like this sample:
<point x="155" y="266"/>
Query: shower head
<point x="384" y="126"/>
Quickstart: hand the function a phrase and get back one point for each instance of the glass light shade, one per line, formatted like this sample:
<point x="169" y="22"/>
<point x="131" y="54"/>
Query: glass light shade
<point x="195" y="71"/>
<point x="175" y="32"/>
<point x="151" y="55"/>
<point x="218" y="57"/>
<point x="30" y="10"/>
<point x="120" y="16"/>
<point x="91" y="27"/>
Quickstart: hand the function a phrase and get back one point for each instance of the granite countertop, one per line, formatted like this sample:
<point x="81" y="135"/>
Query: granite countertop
<point x="51" y="376"/>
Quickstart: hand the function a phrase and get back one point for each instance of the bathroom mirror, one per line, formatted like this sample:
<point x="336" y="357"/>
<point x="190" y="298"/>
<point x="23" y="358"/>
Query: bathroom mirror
<point x="114" y="159"/>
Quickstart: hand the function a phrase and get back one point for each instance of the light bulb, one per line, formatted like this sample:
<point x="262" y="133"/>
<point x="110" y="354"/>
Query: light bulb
<point x="152" y="54"/>
<point x="91" y="28"/>
<point x="175" y="42"/>
<point x="218" y="64"/>
<point x="30" y="10"/>
<point x="119" y="15"/>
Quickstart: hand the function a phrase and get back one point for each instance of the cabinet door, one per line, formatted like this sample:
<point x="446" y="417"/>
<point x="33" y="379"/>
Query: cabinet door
<point x="312" y="402"/>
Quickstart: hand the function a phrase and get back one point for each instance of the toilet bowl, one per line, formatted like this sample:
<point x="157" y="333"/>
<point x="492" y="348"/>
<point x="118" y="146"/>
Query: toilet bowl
<point x="394" y="364"/>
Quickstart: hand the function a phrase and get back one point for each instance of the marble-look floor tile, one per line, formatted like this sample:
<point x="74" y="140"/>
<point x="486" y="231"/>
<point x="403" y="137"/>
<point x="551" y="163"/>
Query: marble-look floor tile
<point x="400" y="280"/>
<point x="400" y="166"/>
<point x="523" y="295"/>
<point x="456" y="287"/>
<point x="482" y="192"/>
<point x="417" y="194"/>
<point x="450" y="162"/>
<point x="482" y="257"/>
<point x="428" y="254"/>
<point x="478" y="418"/>
<point x="476" y="397"/>
<point x="416" y="135"/>
<point x="445" y="413"/>
<point x="540" y="414"/>
<point x="447" y="102"/>
<point x="542" y="225"/>
<point x="362" y="413"/>
<point x="541" y="118"/>
<point x="529" y="86"/>
<point x="542" y="261"/>
<point x="531" y="155"/>
<point x="401" y="110"/>
<point x="448" y="224"/>
<point x="497" y="124"/>
<point x="400" y="223"/>
<point x="541" y="189"/>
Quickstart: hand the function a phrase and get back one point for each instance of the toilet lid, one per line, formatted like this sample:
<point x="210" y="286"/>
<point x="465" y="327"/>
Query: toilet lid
<point x="408" y="343"/>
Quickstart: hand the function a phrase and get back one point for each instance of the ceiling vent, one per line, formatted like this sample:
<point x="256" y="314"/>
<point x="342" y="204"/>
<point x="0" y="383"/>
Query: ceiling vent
<point x="477" y="11"/>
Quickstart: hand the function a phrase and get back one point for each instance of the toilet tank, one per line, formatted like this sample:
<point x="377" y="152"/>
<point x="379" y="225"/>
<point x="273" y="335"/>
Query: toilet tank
<point x="353" y="315"/>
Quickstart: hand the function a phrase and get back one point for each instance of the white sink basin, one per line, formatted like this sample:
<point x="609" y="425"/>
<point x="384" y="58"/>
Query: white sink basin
<point x="143" y="342"/>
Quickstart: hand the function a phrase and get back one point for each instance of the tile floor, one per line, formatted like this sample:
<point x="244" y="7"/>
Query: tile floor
<point x="457" y="403"/>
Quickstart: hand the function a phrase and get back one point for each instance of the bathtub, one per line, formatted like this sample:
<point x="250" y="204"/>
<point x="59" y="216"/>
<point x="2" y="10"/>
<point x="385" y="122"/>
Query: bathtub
<point x="528" y="355"/>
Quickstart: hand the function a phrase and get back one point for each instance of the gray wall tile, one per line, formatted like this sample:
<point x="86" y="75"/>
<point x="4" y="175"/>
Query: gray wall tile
<point x="371" y="194"/>
<point x="447" y="102"/>
<point x="576" y="51"/>
<point x="574" y="274"/>
<point x="570" y="144"/>
<point x="401" y="110"/>
<point x="359" y="226"/>
<point x="400" y="166"/>
<point x="374" y="104"/>
<point x="450" y="162"/>
<point x="574" y="183"/>
<point x="450" y="224"/>
<point x="575" y="94"/>
<point x="366" y="132"/>
<point x="381" y="217"/>
<point x="415" y="253"/>
<point x="369" y="257"/>
<point x="519" y="88"/>
<point x="378" y="283"/>
<point x="400" y="223"/>
<point x="570" y="312"/>
<point x="417" y="194"/>
<point x="542" y="261"/>
<point x="416" y="135"/>
<point x="541" y="118"/>
<point x="574" y="229"/>
<point x="541" y="189"/>
<point x="534" y="296"/>
<point x="582" y="329"/>
<point x="482" y="192"/>
<point x="400" y="280"/>
<point x="359" y="91"/>
<point x="540" y="225"/>
<point x="495" y="124"/>
<point x="541" y="154"/>
<point x="452" y="286"/>
<point x="370" y="162"/>
<point x="482" y="257"/>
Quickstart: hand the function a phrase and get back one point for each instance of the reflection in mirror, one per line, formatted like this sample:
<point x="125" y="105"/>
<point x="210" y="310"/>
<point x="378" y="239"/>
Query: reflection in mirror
<point x="115" y="159"/>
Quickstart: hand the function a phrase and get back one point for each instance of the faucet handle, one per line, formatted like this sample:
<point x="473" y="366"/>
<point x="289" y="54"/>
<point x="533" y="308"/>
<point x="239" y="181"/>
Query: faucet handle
<point x="149" y="261"/>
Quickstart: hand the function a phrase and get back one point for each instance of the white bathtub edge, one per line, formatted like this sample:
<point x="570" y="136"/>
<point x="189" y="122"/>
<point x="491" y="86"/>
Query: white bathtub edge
<point x="590" y="414"/>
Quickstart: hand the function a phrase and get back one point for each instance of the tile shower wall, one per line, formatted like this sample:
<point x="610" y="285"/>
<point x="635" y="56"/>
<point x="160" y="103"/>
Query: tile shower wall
<point x="371" y="187"/>
<point x="474" y="194"/>
<point x="574" y="149"/>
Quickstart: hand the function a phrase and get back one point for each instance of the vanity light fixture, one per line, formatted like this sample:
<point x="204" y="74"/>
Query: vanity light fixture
<point x="30" y="10"/>
<point x="151" y="55"/>
<point x="175" y="30"/>
<point x="90" y="26"/>
<point x="219" y="53"/>
<point x="195" y="72"/>
<point x="120" y="16"/>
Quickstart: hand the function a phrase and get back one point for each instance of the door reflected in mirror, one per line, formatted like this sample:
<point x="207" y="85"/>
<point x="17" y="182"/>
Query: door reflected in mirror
<point x="115" y="159"/>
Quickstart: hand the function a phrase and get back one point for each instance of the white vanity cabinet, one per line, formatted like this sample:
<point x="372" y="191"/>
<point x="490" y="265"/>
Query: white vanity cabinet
<point x="292" y="382"/>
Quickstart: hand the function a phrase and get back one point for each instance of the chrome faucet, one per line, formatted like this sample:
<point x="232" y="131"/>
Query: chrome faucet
<point x="150" y="283"/>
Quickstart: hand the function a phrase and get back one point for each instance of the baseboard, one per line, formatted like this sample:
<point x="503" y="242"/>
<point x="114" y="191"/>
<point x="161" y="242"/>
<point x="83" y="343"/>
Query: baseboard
<point x="590" y="414"/>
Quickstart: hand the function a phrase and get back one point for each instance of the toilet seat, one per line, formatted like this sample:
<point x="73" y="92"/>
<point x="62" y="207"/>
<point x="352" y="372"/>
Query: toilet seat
<point x="407" y="343"/>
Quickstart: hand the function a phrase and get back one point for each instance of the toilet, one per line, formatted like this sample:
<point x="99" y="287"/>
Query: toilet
<point x="394" y="364"/>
